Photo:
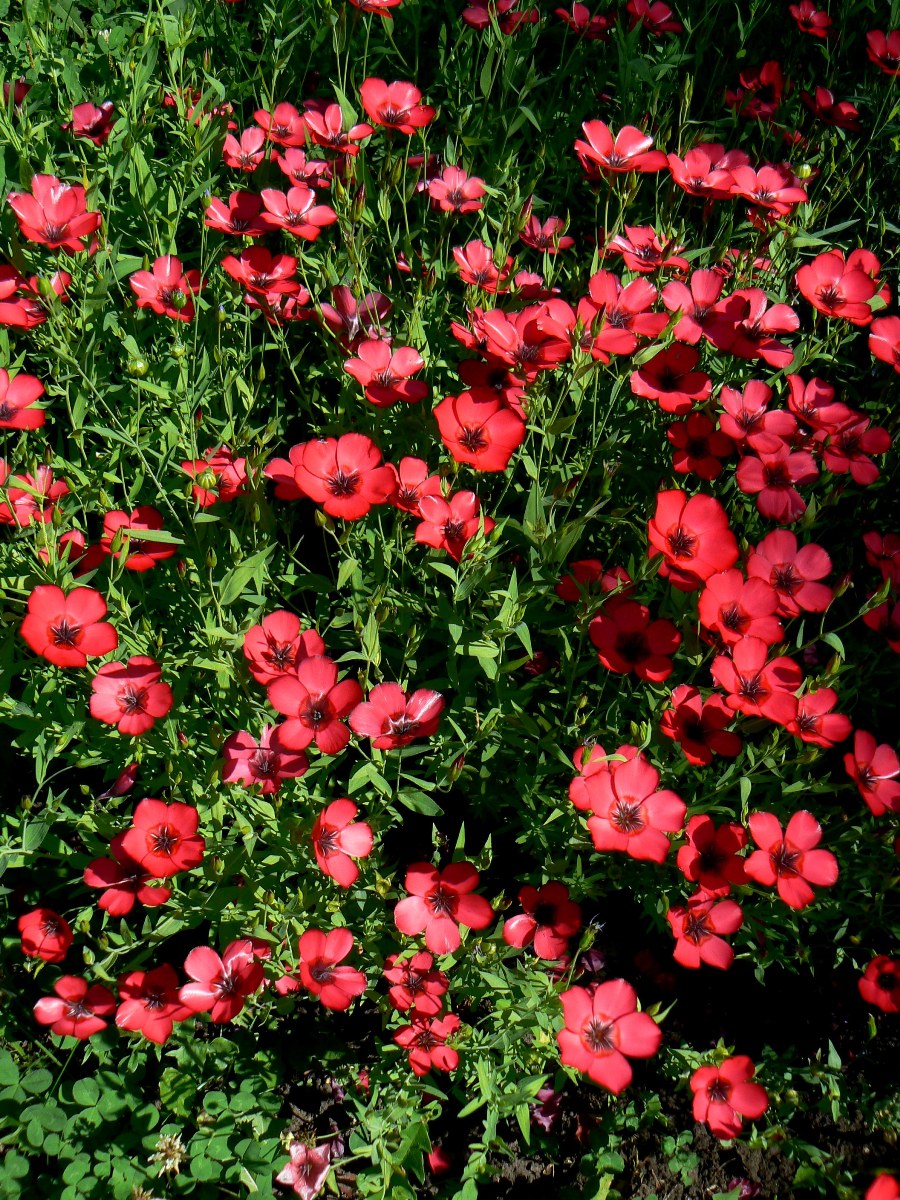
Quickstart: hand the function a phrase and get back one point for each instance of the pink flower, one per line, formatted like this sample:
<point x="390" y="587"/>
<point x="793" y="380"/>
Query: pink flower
<point x="439" y="903"/>
<point x="392" y="718"/>
<point x="266" y="762"/>
<point x="337" y="840"/>
<point x="602" y="1026"/>
<point x="395" y="106"/>
<point x="278" y="645"/>
<point x="789" y="859"/>
<point x="874" y="769"/>
<point x="602" y="155"/>
<point x="308" y="1168"/>
<point x="54" y="214"/>
<point x="455" y="191"/>
<point x="93" y="121"/>
<point x="319" y="953"/>
<point x="220" y="985"/>
<point x="724" y="1096"/>
<point x="699" y="927"/>
<point x="550" y="919"/>
<point x="449" y="524"/>
<point x="630" y="815"/>
<point x="17" y="399"/>
<point x="385" y="372"/>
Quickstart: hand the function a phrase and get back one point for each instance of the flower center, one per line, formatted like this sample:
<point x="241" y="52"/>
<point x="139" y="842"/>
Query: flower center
<point x="65" y="634"/>
<point x="264" y="763"/>
<point x="681" y="543"/>
<point x="133" y="700"/>
<point x="785" y="861"/>
<point x="322" y="972"/>
<point x="626" y="816"/>
<point x="164" y="840"/>
<point x="598" y="1036"/>
<point x="719" y="1090"/>
<point x="341" y="484"/>
<point x="473" y="439"/>
<point x="696" y="928"/>
<point x="442" y="902"/>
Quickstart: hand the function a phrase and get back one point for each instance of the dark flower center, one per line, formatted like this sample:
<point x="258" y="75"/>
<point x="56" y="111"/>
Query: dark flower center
<point x="401" y="726"/>
<point x="426" y="1040"/>
<point x="697" y="447"/>
<point x="281" y="655"/>
<point x="55" y="233"/>
<point x="785" y="861"/>
<point x="51" y="926"/>
<point x="65" y="634"/>
<point x="751" y="688"/>
<point x="545" y="914"/>
<point x="317" y="712"/>
<point x="6" y="411"/>
<point x="807" y="722"/>
<point x="632" y="646"/>
<point x="77" y="1009"/>
<point x="442" y="902"/>
<point x="322" y="972"/>
<point x="133" y="700"/>
<point x="326" y="842"/>
<point x="626" y="816"/>
<point x="264" y="763"/>
<point x="598" y="1036"/>
<point x="614" y="159"/>
<point x="733" y="618"/>
<point x="887" y="982"/>
<point x="696" y="928"/>
<point x="617" y="318"/>
<point x="154" y="1001"/>
<point x="393" y="116"/>
<point x="776" y="475"/>
<point x="342" y="484"/>
<point x="453" y="530"/>
<point x="681" y="543"/>
<point x="164" y="840"/>
<point x="719" y="1090"/>
<point x="785" y="578"/>
<point x="227" y="985"/>
<point x="830" y="296"/>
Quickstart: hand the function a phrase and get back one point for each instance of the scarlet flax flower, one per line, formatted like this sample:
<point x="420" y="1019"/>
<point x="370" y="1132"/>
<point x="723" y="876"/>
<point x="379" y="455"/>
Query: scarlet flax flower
<point x="627" y="640"/>
<point x="220" y="986"/>
<point x="479" y="429"/>
<point x="415" y="984"/>
<point x="319" y="953"/>
<point x="698" y="726"/>
<point x="875" y="769"/>
<point x="278" y="645"/>
<point x="386" y="371"/>
<point x="425" y="1042"/>
<point x="17" y="399"/>
<point x="710" y="856"/>
<point x="345" y="475"/>
<point x="125" y="533"/>
<point x="693" y="536"/>
<point x="315" y="705"/>
<point x="124" y="882"/>
<point x="45" y="934"/>
<point x="449" y="524"/>
<point x="167" y="289"/>
<point x="54" y="214"/>
<point x="67" y="629"/>
<point x="163" y="838"/>
<point x="601" y="154"/>
<point x="396" y="105"/>
<point x="880" y="983"/>
<point x="789" y="859"/>
<point x="393" y="718"/>
<point x="150" y="1004"/>
<point x="550" y="919"/>
<point x="266" y="762"/>
<point x="439" y="903"/>
<point x="78" y="1008"/>
<point x="756" y="685"/>
<point x="724" y="1096"/>
<point x="630" y="815"/>
<point x="603" y="1029"/>
<point x="130" y="695"/>
<point x="699" y="928"/>
<point x="338" y="838"/>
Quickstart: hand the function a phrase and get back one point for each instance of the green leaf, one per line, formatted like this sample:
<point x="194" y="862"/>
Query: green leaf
<point x="37" y="1082"/>
<point x="177" y="1090"/>
<point x="234" y="583"/>
<point x="9" y="1072"/>
<point x="86" y="1093"/>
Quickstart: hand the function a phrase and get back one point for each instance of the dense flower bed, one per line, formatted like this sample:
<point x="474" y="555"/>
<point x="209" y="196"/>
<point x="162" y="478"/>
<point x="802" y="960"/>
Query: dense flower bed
<point x="451" y="599"/>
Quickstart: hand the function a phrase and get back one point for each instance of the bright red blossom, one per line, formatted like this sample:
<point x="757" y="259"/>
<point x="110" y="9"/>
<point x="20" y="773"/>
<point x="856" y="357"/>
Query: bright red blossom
<point x="425" y="1040"/>
<point x="391" y="718"/>
<point x="17" y="399"/>
<point x="698" y="726"/>
<point x="550" y="919"/>
<point x="699" y="928"/>
<point x="124" y="882"/>
<point x="602" y="1027"/>
<point x="130" y="695"/>
<point x="627" y="640"/>
<point x="755" y="685"/>
<point x="789" y="860"/>
<point x="448" y="524"/>
<point x="337" y="839"/>
<point x="315" y="705"/>
<point x="880" y="986"/>
<point x="67" y="629"/>
<point x="150" y="1004"/>
<point x="395" y="105"/>
<point x="693" y="536"/>
<point x="266" y="762"/>
<point x="416" y="985"/>
<point x="319" y="953"/>
<point x="439" y="903"/>
<point x="167" y="289"/>
<point x="220" y="986"/>
<point x="163" y="838"/>
<point x="77" y="1010"/>
<point x="711" y="855"/>
<point x="345" y="475"/>
<point x="45" y="934"/>
<point x="875" y="769"/>
<point x="724" y="1095"/>
<point x="54" y="214"/>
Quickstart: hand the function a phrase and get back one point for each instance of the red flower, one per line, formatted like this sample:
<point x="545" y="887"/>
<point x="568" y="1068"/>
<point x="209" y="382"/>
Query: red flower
<point x="816" y="723"/>
<point x="124" y="881"/>
<point x="840" y="113"/>
<point x="477" y="268"/>
<point x="548" y="236"/>
<point x="756" y="686"/>
<point x="309" y="172"/>
<point x="835" y="290"/>
<point x="319" y="954"/>
<point x="654" y="16"/>
<point x="885" y="1187"/>
<point x="773" y="190"/>
<point x="284" y="125"/>
<point x="67" y="630"/>
<point x="220" y="985"/>
<point x="450" y="524"/>
<point x="413" y="481"/>
<point x="724" y="1096"/>
<point x="344" y="475"/>
<point x="642" y="251"/>
<point x="810" y="19"/>
<point x="884" y="51"/>
<point x="630" y="815"/>
<point x="601" y="155"/>
<point x="455" y="191"/>
<point x="326" y="128"/>
<point x="693" y="536"/>
<point x="880" y="985"/>
<point x="760" y="93"/>
<point x="424" y="1042"/>
<point x="278" y="646"/>
<point x="771" y="478"/>
<point x="125" y="531"/>
<point x="168" y="289"/>
<point x="416" y="985"/>
<point x="77" y="1010"/>
<point x="479" y="429"/>
<point x="602" y="1026"/>
<point x="395" y="106"/>
<point x="705" y="171"/>
<point x="263" y="273"/>
<point x="699" y="927"/>
<point x="93" y="121"/>
<point x="579" y="19"/>
<point x="337" y="840"/>
<point x="45" y="934"/>
<point x="627" y="640"/>
<point x="529" y="341"/>
<point x="315" y="704"/>
<point x="163" y="838"/>
<point x="615" y="316"/>
<point x="698" y="726"/>
<point x="391" y="718"/>
<point x="350" y="321"/>
<point x="793" y="573"/>
<point x="699" y="446"/>
<point x="242" y="216"/>
<point x="883" y="552"/>
<point x="17" y="397"/>
<point x="296" y="212"/>
<point x="734" y="607"/>
<point x="247" y="152"/>
<point x="130" y="695"/>
<point x="711" y="856"/>
<point x="747" y="421"/>
<point x="265" y="762"/>
<point x="54" y="214"/>
<point x="30" y="497"/>
<point x="441" y="901"/>
<point x="550" y="919"/>
<point x="670" y="379"/>
<point x="874" y="769"/>
<point x="789" y="860"/>
<point x="847" y="450"/>
<point x="758" y="327"/>
<point x="150" y="1003"/>
<point x="218" y="476"/>
<point x="884" y="332"/>
<point x="478" y="14"/>
<point x="588" y="577"/>
<point x="385" y="372"/>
